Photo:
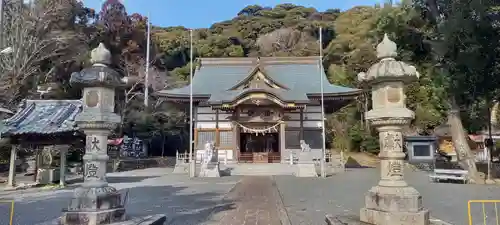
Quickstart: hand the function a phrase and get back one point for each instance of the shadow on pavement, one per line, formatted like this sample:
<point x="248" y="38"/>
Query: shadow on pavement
<point x="181" y="205"/>
<point x="117" y="179"/>
<point x="131" y="179"/>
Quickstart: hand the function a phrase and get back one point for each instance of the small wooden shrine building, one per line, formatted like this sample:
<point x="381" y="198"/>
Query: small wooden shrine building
<point x="443" y="134"/>
<point x="40" y="123"/>
<point x="258" y="109"/>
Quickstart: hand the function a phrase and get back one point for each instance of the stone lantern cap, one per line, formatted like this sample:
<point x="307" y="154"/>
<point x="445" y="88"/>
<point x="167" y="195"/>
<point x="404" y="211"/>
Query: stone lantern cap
<point x="99" y="74"/>
<point x="388" y="68"/>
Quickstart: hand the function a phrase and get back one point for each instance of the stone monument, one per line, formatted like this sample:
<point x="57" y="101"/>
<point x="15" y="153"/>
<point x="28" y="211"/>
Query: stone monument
<point x="392" y="201"/>
<point x="305" y="165"/>
<point x="210" y="165"/>
<point x="95" y="202"/>
<point x="48" y="171"/>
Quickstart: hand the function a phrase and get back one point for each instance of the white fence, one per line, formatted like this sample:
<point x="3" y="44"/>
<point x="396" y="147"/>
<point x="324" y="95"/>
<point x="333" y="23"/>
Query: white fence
<point x="482" y="156"/>
<point x="199" y="155"/>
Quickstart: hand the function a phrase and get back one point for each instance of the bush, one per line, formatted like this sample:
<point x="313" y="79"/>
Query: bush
<point x="363" y="140"/>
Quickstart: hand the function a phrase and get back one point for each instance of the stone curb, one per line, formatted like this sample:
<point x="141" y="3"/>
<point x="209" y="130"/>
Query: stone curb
<point x="24" y="186"/>
<point x="435" y="221"/>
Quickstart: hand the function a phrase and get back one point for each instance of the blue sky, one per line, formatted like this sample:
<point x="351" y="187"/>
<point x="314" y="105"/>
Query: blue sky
<point x="203" y="13"/>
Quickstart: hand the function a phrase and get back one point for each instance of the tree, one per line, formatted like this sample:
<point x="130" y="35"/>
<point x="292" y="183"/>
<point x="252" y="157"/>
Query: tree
<point x="465" y="49"/>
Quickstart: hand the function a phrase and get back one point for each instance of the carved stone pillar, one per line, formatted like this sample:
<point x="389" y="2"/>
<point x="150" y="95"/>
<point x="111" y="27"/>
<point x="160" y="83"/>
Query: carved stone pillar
<point x="63" y="150"/>
<point x="12" y="166"/>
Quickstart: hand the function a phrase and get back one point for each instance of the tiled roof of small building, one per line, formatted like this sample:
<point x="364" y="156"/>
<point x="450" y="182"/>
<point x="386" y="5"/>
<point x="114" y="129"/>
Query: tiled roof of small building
<point x="43" y="117"/>
<point x="301" y="75"/>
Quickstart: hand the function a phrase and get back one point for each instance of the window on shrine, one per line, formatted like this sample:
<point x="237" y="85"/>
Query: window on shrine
<point x="421" y="150"/>
<point x="226" y="138"/>
<point x="292" y="139"/>
<point x="204" y="137"/>
<point x="313" y="138"/>
<point x="267" y="113"/>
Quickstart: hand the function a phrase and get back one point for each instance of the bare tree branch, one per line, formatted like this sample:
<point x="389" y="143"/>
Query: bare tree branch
<point x="29" y="32"/>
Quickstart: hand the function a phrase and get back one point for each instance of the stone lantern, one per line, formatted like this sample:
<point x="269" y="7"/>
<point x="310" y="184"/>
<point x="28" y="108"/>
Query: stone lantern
<point x="392" y="201"/>
<point x="95" y="202"/>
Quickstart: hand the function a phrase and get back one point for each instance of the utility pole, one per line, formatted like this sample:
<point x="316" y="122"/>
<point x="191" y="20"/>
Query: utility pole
<point x="192" y="158"/>
<point x="323" y="133"/>
<point x="146" y="76"/>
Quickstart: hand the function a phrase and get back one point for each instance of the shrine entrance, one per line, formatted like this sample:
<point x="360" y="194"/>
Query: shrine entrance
<point x="259" y="148"/>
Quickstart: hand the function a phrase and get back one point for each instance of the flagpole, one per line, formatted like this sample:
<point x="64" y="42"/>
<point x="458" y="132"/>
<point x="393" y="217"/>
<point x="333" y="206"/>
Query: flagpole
<point x="146" y="77"/>
<point x="1" y="24"/>
<point x="323" y="135"/>
<point x="192" y="163"/>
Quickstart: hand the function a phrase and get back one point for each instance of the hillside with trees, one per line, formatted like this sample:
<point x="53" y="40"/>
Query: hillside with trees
<point x="453" y="44"/>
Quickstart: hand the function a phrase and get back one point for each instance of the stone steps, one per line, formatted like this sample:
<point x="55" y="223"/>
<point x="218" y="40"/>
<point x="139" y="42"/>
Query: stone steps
<point x="274" y="169"/>
<point x="255" y="169"/>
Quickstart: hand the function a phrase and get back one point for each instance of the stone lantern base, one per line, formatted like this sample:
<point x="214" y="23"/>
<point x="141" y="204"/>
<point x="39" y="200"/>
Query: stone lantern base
<point x="101" y="206"/>
<point x="353" y="220"/>
<point x="388" y="206"/>
<point x="394" y="205"/>
<point x="159" y="219"/>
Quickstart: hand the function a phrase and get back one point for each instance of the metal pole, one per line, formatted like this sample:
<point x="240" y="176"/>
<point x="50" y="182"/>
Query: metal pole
<point x="322" y="164"/>
<point x="192" y="164"/>
<point x="146" y="77"/>
<point x="1" y="24"/>
<point x="490" y="142"/>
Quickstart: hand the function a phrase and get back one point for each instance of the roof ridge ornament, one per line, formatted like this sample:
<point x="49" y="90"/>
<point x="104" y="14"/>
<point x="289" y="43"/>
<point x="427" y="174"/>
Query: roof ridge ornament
<point x="387" y="48"/>
<point x="100" y="55"/>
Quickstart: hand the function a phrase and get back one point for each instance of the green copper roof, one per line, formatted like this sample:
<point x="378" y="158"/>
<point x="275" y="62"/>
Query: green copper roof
<point x="301" y="76"/>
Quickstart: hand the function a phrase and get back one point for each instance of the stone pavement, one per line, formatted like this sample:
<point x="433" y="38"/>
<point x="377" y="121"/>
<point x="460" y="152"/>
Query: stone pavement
<point x="308" y="200"/>
<point x="251" y="200"/>
<point x="257" y="202"/>
<point x="150" y="191"/>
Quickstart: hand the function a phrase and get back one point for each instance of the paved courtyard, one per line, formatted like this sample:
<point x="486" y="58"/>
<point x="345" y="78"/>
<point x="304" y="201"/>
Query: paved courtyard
<point x="151" y="191"/>
<point x="252" y="200"/>
<point x="307" y="200"/>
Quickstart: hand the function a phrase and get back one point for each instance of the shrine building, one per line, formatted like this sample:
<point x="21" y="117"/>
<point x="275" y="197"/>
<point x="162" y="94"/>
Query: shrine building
<point x="258" y="109"/>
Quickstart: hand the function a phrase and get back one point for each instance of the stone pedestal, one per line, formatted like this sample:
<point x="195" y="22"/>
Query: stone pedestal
<point x="306" y="166"/>
<point x="210" y="169"/>
<point x="181" y="168"/>
<point x="48" y="175"/>
<point x="386" y="205"/>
